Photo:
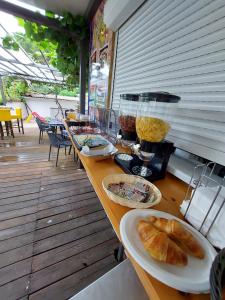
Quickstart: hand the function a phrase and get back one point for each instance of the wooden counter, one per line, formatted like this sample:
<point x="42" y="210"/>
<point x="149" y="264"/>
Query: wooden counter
<point x="173" y="191"/>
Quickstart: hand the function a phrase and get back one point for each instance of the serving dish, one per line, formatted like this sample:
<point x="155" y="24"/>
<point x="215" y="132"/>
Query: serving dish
<point x="99" y="155"/>
<point x="81" y="139"/>
<point x="193" y="278"/>
<point x="131" y="179"/>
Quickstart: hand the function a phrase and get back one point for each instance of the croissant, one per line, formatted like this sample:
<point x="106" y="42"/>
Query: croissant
<point x="160" y="246"/>
<point x="180" y="235"/>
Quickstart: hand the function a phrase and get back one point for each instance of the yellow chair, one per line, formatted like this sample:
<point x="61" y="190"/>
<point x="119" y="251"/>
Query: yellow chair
<point x="5" y="117"/>
<point x="19" y="117"/>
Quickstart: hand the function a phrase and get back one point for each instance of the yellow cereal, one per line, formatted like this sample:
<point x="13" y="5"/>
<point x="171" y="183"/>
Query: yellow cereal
<point x="151" y="129"/>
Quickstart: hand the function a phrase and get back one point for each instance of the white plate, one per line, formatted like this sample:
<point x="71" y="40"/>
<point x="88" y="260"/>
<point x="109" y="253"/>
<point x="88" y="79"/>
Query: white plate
<point x="193" y="278"/>
<point x="109" y="150"/>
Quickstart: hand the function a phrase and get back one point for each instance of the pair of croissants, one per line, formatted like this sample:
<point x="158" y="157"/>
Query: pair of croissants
<point x="168" y="241"/>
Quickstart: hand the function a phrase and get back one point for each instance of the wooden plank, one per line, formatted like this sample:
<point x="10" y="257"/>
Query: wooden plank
<point x="71" y="265"/>
<point x="15" y="271"/>
<point x="18" y="205"/>
<point x="72" y="184"/>
<point x="68" y="225"/>
<point x="24" y="298"/>
<point x="82" y="184"/>
<point x="19" y="198"/>
<point x="17" y="231"/>
<point x="65" y="195"/>
<point x="70" y="285"/>
<point x="15" y="182"/>
<point x="11" y="174"/>
<point x="17" y="221"/>
<point x="16" y="242"/>
<point x="60" y="253"/>
<point x="18" y="213"/>
<point x="66" y="200"/>
<point x="65" y="177"/>
<point x="45" y="222"/>
<point x="17" y="188"/>
<point x="63" y="208"/>
<point x="36" y="170"/>
<point x="15" y="255"/>
<point x="20" y="192"/>
<point x="19" y="179"/>
<point x="69" y="236"/>
<point x="15" y="289"/>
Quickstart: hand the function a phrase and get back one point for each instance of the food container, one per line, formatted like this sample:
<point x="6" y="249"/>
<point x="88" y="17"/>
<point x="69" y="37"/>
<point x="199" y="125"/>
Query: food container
<point x="127" y="116"/>
<point x="151" y="124"/>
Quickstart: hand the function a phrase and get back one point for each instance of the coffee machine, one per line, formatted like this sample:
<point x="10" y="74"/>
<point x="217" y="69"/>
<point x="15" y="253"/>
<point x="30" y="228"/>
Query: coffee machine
<point x="149" y="155"/>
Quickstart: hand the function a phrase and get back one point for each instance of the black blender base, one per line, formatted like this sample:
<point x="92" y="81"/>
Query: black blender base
<point x="131" y="164"/>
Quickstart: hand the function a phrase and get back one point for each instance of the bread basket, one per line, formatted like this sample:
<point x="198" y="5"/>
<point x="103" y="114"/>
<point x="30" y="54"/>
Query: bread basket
<point x="116" y="178"/>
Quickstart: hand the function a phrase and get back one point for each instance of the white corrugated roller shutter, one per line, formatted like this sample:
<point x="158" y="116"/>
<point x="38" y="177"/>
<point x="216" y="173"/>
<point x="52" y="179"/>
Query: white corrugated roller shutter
<point x="178" y="46"/>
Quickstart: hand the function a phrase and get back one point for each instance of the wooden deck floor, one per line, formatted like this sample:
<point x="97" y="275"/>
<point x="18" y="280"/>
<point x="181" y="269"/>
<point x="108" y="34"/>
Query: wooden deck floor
<point x="55" y="238"/>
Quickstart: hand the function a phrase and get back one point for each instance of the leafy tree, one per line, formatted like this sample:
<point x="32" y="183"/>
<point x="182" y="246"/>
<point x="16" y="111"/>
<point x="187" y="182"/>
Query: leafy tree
<point x="14" y="88"/>
<point x="44" y="88"/>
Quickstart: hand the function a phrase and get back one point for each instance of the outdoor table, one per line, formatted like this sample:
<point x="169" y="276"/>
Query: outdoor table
<point x="56" y="123"/>
<point x="173" y="191"/>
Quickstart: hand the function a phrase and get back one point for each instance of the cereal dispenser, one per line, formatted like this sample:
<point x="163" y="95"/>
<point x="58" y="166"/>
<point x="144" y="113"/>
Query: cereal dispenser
<point x="152" y="151"/>
<point x="127" y="116"/>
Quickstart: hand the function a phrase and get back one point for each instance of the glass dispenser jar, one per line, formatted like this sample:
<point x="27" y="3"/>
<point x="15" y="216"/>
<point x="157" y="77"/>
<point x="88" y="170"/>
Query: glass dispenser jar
<point x="127" y="116"/>
<point x="152" y="124"/>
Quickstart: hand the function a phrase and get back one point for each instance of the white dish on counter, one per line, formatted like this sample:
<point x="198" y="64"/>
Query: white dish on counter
<point x="94" y="152"/>
<point x="193" y="278"/>
<point x="100" y="154"/>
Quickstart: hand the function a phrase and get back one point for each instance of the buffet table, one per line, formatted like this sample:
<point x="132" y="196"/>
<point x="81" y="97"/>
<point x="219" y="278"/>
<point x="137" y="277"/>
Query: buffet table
<point x="173" y="191"/>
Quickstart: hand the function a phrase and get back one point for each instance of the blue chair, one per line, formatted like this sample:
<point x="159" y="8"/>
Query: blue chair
<point x="58" y="141"/>
<point x="43" y="127"/>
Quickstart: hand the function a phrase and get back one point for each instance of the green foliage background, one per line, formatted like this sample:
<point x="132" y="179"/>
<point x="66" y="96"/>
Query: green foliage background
<point x="16" y="89"/>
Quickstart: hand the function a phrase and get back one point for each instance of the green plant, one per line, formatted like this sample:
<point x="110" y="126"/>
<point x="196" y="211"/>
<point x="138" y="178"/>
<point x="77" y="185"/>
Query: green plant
<point x="61" y="50"/>
<point x="14" y="89"/>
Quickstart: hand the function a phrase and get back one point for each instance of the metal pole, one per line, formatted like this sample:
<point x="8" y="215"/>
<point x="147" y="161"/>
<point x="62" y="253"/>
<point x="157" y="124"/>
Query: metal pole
<point x="2" y="91"/>
<point x="83" y="63"/>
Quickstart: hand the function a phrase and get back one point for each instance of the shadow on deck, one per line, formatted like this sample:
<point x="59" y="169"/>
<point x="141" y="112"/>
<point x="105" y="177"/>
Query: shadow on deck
<point x="55" y="238"/>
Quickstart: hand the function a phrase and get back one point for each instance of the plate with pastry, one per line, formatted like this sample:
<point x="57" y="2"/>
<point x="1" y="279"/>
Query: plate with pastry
<point x="168" y="249"/>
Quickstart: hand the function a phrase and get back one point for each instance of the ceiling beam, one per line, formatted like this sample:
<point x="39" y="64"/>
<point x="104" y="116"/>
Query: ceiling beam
<point x="34" y="17"/>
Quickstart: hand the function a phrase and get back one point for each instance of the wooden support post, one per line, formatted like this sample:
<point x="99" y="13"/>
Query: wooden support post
<point x="2" y="91"/>
<point x="83" y="73"/>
